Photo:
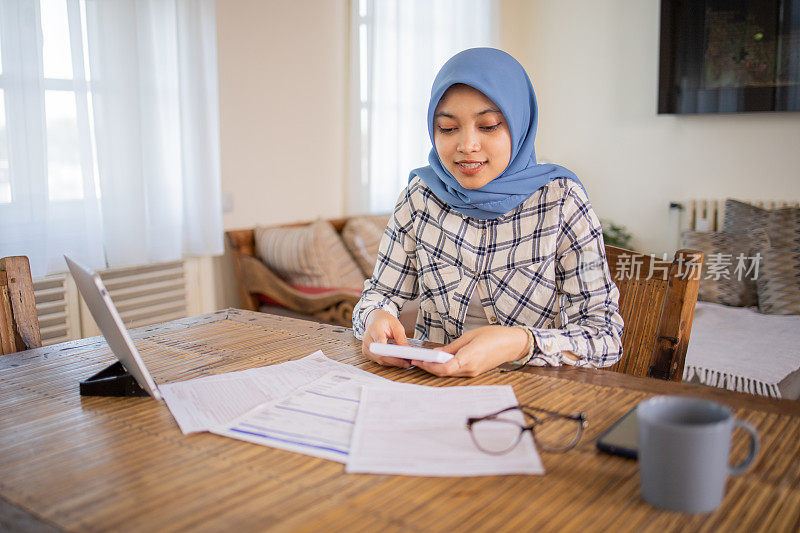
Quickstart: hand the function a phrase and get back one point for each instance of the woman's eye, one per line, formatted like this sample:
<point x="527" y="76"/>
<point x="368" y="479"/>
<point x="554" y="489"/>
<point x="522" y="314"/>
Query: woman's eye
<point x="446" y="130"/>
<point x="491" y="128"/>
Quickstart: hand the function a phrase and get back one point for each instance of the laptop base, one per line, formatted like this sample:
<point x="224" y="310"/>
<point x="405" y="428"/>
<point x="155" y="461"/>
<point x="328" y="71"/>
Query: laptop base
<point x="112" y="381"/>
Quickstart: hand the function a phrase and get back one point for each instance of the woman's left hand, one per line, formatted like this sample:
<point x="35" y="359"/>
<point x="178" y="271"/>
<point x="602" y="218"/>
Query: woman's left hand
<point x="479" y="350"/>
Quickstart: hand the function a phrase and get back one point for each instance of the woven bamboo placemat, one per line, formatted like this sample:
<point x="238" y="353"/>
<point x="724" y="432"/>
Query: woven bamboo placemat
<point x="102" y="464"/>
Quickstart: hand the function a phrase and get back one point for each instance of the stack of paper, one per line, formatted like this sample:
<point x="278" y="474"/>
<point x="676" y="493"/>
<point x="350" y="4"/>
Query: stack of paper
<point x="317" y="419"/>
<point x="204" y="403"/>
<point x="422" y="432"/>
<point x="332" y="410"/>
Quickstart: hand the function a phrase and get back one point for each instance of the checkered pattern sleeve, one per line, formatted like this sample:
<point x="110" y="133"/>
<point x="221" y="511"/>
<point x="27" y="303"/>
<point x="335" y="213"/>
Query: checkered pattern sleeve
<point x="590" y="324"/>
<point x="394" y="280"/>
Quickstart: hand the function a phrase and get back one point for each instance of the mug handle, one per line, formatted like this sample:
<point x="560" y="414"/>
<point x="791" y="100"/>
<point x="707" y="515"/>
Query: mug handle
<point x="751" y="455"/>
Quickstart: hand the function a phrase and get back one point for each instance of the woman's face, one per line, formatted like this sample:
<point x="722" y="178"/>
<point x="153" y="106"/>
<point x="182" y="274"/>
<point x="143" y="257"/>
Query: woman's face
<point x="471" y="136"/>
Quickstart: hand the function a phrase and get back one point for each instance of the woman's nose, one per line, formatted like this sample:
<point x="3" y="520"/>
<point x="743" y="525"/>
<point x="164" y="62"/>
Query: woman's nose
<point x="469" y="142"/>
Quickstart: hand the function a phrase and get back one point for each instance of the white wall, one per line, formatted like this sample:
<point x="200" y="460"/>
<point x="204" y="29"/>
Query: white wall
<point x="283" y="74"/>
<point x="283" y="94"/>
<point x="594" y="66"/>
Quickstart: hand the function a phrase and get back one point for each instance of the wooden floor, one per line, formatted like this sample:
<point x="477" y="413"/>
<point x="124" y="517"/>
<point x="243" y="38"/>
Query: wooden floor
<point x="121" y="464"/>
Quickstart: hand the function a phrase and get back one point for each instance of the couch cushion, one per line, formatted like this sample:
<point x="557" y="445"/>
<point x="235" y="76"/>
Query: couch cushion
<point x="362" y="236"/>
<point x="779" y="274"/>
<point x="309" y="256"/>
<point x="727" y="276"/>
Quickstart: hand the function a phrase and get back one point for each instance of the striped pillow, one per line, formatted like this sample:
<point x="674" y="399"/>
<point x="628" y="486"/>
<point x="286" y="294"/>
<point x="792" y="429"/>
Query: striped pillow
<point x="362" y="236"/>
<point x="310" y="256"/>
<point x="779" y="277"/>
<point x="727" y="277"/>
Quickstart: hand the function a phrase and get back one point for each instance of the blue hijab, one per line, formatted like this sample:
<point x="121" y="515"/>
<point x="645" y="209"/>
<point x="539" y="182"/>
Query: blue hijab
<point x="503" y="80"/>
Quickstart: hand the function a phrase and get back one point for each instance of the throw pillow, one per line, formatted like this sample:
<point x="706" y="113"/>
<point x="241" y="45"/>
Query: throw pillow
<point x="362" y="236"/>
<point x="779" y="275"/>
<point x="309" y="256"/>
<point x="740" y="217"/>
<point x="728" y="270"/>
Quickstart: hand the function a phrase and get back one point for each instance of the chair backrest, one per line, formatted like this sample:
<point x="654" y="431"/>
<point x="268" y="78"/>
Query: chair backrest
<point x="19" y="325"/>
<point x="657" y="300"/>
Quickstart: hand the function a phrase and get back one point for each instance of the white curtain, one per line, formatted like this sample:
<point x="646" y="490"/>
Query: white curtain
<point x="401" y="44"/>
<point x="48" y="199"/>
<point x="146" y="131"/>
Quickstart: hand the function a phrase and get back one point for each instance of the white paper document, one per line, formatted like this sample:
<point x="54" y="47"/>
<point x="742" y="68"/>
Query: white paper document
<point x="203" y="403"/>
<point x="422" y="431"/>
<point x="316" y="419"/>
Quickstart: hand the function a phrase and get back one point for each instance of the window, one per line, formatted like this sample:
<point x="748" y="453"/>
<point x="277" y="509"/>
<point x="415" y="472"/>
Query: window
<point x="60" y="104"/>
<point x="5" y="180"/>
<point x="109" y="135"/>
<point x="398" y="47"/>
<point x="49" y="202"/>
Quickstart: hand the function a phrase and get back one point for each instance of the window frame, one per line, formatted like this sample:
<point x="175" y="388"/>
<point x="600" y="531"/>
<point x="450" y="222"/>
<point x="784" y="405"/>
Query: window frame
<point x="24" y="88"/>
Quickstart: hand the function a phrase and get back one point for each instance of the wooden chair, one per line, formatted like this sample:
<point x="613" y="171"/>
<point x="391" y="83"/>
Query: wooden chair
<point x="254" y="278"/>
<point x="657" y="300"/>
<point x="19" y="325"/>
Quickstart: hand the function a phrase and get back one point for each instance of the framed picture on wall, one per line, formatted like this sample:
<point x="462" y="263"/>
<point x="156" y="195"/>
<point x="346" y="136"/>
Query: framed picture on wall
<point x="729" y="56"/>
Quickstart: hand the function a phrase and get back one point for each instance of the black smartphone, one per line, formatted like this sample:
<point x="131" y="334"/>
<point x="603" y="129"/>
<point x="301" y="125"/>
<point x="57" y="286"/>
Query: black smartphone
<point x="622" y="438"/>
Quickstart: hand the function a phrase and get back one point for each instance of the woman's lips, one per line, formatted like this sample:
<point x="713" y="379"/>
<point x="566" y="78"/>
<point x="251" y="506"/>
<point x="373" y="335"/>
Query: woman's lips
<point x="470" y="168"/>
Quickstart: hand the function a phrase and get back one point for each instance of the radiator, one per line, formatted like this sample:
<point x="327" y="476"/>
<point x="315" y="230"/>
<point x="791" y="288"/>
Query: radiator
<point x="147" y="295"/>
<point x="58" y="309"/>
<point x="143" y="295"/>
<point x="707" y="215"/>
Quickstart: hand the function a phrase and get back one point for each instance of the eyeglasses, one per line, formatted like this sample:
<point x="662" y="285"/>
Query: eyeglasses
<point x="500" y="432"/>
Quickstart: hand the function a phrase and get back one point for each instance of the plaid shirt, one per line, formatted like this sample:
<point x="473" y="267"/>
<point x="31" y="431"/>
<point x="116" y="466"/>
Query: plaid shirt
<point x="541" y="266"/>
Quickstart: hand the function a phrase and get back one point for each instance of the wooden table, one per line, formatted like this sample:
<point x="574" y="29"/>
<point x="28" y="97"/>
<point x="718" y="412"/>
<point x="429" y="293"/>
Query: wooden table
<point x="100" y="464"/>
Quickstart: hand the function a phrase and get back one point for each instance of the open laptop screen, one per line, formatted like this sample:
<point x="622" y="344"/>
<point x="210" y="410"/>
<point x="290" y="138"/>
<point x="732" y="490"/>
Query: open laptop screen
<point x="110" y="323"/>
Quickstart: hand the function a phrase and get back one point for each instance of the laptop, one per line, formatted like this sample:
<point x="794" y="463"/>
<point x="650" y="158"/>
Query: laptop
<point x="110" y="323"/>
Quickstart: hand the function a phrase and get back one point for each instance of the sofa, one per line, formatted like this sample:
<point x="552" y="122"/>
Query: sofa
<point x="313" y="270"/>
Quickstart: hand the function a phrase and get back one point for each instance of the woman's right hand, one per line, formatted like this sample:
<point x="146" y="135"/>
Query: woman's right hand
<point x="382" y="326"/>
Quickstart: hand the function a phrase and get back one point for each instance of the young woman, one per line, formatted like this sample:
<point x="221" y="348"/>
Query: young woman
<point x="505" y="254"/>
